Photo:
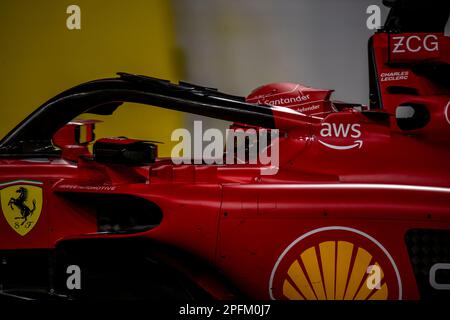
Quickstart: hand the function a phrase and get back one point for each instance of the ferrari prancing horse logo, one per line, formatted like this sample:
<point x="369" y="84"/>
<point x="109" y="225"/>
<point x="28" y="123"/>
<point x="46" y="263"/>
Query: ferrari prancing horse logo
<point x="21" y="205"/>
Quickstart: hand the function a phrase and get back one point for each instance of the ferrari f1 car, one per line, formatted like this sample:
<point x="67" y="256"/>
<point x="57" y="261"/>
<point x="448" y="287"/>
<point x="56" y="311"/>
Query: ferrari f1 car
<point x="359" y="206"/>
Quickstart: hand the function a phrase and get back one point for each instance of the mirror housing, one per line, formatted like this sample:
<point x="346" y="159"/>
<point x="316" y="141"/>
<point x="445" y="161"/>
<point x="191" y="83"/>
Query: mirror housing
<point x="74" y="138"/>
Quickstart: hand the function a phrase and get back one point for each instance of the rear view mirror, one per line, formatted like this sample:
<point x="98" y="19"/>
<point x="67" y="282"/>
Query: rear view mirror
<point x="74" y="138"/>
<point x="412" y="116"/>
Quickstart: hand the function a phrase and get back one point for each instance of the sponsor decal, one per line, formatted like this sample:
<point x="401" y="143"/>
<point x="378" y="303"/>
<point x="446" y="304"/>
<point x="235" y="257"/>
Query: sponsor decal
<point x="347" y="131"/>
<point x="335" y="263"/>
<point x="309" y="108"/>
<point x="86" y="188"/>
<point x="287" y="101"/>
<point x="433" y="281"/>
<point x="21" y="203"/>
<point x="415" y="43"/>
<point x="394" y="76"/>
<point x="357" y="144"/>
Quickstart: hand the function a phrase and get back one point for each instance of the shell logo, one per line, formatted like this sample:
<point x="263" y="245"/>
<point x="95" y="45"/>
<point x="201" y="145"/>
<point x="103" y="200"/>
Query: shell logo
<point x="335" y="263"/>
<point x="335" y="258"/>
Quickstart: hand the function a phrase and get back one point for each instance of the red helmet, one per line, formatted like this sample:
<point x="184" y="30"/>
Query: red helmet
<point x="309" y="101"/>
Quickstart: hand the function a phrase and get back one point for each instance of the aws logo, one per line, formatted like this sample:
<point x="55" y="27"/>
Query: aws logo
<point x="345" y="131"/>
<point x="335" y="263"/>
<point x="21" y="203"/>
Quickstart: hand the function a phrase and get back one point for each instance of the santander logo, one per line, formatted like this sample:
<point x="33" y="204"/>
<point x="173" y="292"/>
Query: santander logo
<point x="347" y="131"/>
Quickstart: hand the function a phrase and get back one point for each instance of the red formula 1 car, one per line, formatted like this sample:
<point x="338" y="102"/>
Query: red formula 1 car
<point x="358" y="206"/>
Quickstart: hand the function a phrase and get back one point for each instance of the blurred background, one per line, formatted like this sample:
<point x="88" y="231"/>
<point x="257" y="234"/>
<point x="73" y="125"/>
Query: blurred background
<point x="234" y="45"/>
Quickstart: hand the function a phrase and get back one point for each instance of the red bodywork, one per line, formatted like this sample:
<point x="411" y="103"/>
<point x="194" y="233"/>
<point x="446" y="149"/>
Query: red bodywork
<point x="350" y="184"/>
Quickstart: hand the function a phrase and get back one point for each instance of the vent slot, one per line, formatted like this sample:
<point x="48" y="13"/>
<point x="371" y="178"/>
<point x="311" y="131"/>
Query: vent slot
<point x="118" y="213"/>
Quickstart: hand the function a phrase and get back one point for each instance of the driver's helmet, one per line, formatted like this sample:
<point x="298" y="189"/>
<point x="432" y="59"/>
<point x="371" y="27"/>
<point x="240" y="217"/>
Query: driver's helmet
<point x="306" y="100"/>
<point x="309" y="101"/>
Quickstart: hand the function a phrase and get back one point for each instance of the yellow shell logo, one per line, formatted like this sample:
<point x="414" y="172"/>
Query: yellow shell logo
<point x="21" y="204"/>
<point x="333" y="260"/>
<point x="335" y="263"/>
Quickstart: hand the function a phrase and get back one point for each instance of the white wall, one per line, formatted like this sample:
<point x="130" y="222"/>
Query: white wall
<point x="237" y="45"/>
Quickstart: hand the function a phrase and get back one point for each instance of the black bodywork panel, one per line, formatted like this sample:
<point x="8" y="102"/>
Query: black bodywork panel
<point x="33" y="135"/>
